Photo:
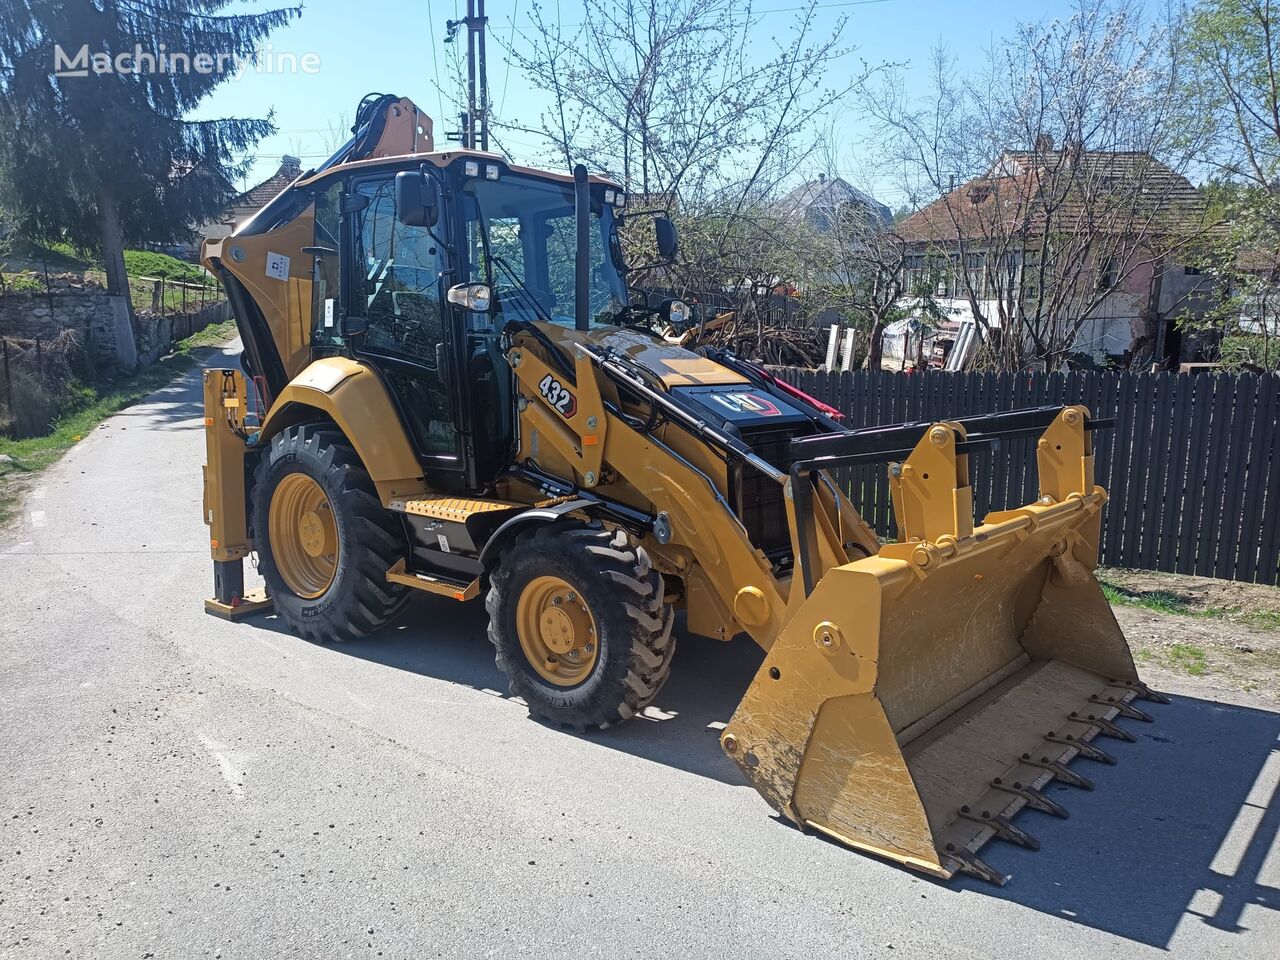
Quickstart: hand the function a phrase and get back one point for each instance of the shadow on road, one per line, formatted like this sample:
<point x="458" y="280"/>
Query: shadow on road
<point x="446" y="640"/>
<point x="1145" y="848"/>
<point x="1138" y="854"/>
<point x="179" y="405"/>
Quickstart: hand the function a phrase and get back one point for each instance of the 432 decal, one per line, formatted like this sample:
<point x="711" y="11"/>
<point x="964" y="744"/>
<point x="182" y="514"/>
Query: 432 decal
<point x="558" y="395"/>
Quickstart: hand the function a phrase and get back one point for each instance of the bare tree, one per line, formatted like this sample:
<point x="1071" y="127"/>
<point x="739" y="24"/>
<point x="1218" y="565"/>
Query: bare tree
<point x="857" y="267"/>
<point x="1058" y="174"/>
<point x="675" y="98"/>
<point x="1232" y="83"/>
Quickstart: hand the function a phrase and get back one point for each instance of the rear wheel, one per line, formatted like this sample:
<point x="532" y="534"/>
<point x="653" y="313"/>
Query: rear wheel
<point x="324" y="540"/>
<point x="577" y="617"/>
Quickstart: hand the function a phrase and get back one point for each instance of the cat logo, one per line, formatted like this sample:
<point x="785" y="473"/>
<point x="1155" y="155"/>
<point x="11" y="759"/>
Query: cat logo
<point x="747" y="403"/>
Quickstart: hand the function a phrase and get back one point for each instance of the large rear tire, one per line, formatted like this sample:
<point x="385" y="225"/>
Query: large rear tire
<point x="324" y="540"/>
<point x="578" y="622"/>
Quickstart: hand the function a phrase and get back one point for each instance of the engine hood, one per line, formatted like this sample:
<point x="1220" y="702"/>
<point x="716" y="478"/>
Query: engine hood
<point x="674" y="366"/>
<point x="738" y="407"/>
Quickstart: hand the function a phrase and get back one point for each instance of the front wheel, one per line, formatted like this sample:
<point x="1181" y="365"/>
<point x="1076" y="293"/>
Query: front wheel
<point x="324" y="540"/>
<point x="577" y="618"/>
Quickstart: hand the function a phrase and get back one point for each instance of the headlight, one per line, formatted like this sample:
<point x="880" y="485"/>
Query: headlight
<point x="471" y="296"/>
<point x="679" y="312"/>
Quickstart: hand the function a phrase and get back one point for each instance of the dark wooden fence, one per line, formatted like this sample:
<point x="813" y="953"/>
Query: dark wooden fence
<point x="1192" y="464"/>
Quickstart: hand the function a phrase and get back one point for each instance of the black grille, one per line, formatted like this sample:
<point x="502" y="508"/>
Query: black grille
<point x="758" y="500"/>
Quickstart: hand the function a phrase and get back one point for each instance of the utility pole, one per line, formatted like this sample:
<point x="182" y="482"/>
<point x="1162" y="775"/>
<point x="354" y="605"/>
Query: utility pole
<point x="474" y="130"/>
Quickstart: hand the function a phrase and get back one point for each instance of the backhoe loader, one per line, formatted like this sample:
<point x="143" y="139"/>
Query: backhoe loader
<point x="450" y="386"/>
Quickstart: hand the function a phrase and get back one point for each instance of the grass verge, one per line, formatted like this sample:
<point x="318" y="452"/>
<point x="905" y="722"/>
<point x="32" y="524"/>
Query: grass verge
<point x="1166" y="601"/>
<point x="20" y="460"/>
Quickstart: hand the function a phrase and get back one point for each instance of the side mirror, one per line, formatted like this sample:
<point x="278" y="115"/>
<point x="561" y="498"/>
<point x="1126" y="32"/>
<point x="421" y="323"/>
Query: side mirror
<point x="665" y="234"/>
<point x="475" y="297"/>
<point x="417" y="199"/>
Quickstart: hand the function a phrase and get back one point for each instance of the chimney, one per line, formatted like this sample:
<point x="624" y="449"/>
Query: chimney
<point x="290" y="165"/>
<point x="1044" y="143"/>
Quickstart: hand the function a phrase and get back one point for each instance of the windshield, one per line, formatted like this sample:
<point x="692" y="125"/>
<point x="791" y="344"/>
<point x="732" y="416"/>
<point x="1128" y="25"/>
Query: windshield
<point x="521" y="239"/>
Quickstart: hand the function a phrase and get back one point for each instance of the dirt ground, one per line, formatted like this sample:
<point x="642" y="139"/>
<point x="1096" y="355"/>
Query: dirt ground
<point x="1200" y="635"/>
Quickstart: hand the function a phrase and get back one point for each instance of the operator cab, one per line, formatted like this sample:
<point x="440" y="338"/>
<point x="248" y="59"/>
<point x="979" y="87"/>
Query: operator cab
<point x="423" y="263"/>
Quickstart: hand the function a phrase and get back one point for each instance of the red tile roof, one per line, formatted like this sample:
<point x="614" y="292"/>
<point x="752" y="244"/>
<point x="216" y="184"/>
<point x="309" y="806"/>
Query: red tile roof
<point x="1066" y="191"/>
<point x="260" y="195"/>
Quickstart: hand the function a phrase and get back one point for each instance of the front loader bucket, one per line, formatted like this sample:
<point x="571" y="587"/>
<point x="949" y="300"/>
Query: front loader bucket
<point x="915" y="701"/>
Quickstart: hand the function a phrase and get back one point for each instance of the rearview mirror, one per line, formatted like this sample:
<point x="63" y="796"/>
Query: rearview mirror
<point x="417" y="199"/>
<point x="665" y="234"/>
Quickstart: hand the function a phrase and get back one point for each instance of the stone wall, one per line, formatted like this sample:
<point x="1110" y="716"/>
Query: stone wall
<point x="155" y="334"/>
<point x="72" y="303"/>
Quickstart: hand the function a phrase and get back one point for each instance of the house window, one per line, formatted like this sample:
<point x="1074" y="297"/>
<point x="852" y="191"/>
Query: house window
<point x="1191" y="271"/>
<point x="975" y="268"/>
<point x="1108" y="274"/>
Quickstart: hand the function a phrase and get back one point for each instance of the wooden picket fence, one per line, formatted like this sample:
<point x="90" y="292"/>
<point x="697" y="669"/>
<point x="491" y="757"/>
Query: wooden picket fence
<point x="1192" y="464"/>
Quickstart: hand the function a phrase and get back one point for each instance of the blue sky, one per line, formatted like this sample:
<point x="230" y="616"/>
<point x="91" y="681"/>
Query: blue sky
<point x="395" y="46"/>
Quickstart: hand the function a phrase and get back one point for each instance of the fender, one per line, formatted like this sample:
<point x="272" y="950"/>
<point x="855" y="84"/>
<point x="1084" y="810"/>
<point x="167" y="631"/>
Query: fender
<point x="534" y="515"/>
<point x="354" y="397"/>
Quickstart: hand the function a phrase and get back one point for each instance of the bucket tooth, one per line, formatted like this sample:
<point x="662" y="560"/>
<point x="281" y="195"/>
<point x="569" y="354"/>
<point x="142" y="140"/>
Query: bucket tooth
<point x="1085" y="748"/>
<point x="1033" y="798"/>
<point x="1003" y="827"/>
<point x="971" y="863"/>
<point x="1142" y="691"/>
<point x="1060" y="771"/>
<point x="1122" y="707"/>
<point x="1109" y="729"/>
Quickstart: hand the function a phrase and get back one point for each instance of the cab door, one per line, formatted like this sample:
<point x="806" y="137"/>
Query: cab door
<point x="401" y="323"/>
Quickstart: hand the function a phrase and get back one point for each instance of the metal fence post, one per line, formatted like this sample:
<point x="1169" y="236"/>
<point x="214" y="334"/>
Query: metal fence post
<point x="8" y="382"/>
<point x="48" y="291"/>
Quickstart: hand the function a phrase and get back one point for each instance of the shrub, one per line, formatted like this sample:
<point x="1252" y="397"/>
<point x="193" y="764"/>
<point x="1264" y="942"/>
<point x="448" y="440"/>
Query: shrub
<point x="44" y="384"/>
<point x="35" y="408"/>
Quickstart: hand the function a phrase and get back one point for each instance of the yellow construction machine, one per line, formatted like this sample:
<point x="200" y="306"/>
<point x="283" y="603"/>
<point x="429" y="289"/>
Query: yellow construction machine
<point x="450" y="386"/>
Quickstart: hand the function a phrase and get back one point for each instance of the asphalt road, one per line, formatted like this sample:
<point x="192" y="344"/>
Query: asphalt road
<point x="175" y="786"/>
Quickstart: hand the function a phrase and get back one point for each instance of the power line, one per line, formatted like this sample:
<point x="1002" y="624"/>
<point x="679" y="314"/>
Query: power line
<point x="435" y="59"/>
<point x="502" y="101"/>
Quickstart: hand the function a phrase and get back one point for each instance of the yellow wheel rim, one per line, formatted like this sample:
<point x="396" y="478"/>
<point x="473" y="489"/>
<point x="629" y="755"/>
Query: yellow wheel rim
<point x="304" y="535"/>
<point x="557" y="631"/>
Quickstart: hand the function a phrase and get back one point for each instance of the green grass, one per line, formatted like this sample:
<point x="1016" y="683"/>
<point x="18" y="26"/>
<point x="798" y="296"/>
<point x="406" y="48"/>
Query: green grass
<point x="25" y="282"/>
<point x="1188" y="658"/>
<point x="28" y="457"/>
<point x="1161" y="601"/>
<point x="146" y="263"/>
<point x="1266" y="619"/>
<point x="1164" y="601"/>
<point x="60" y="257"/>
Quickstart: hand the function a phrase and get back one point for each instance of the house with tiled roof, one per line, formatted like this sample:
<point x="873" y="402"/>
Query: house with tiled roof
<point x="1089" y="240"/>
<point x="248" y="203"/>
<point x="821" y="202"/>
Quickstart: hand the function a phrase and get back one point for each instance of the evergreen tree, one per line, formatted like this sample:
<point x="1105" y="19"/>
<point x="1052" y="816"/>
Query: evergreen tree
<point x="107" y="156"/>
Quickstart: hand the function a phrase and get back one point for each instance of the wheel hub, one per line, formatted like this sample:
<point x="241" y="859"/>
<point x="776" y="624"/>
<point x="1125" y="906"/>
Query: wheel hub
<point x="557" y="631"/>
<point x="303" y="534"/>
<point x="315" y="534"/>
